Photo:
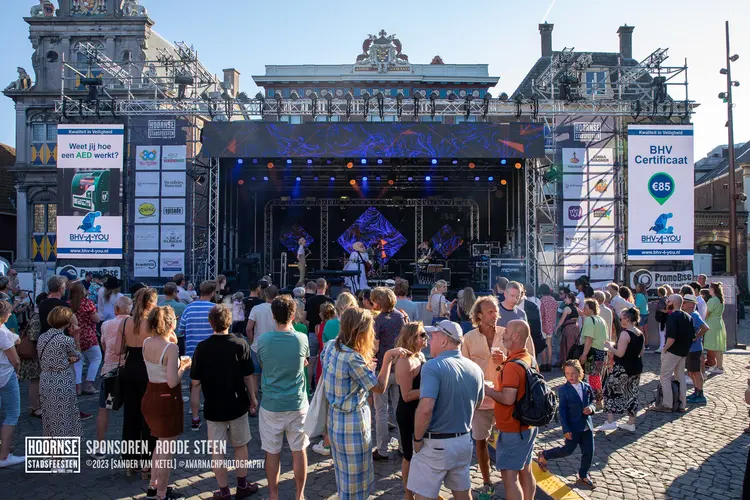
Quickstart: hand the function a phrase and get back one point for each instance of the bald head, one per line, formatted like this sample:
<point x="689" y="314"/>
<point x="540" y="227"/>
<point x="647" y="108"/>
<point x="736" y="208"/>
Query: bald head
<point x="516" y="334"/>
<point x="675" y="300"/>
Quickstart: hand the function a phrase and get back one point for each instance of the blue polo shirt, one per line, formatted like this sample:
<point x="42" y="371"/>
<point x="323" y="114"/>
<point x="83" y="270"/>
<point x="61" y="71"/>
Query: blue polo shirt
<point x="457" y="385"/>
<point x="194" y="324"/>
<point x="698" y="322"/>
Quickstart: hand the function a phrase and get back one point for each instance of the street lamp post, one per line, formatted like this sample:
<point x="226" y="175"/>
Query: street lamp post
<point x="727" y="97"/>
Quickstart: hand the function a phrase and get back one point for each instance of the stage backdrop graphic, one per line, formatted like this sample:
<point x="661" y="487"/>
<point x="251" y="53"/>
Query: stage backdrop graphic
<point x="661" y="221"/>
<point x="89" y="179"/>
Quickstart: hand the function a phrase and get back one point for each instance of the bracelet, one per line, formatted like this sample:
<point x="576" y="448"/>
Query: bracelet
<point x="414" y="438"/>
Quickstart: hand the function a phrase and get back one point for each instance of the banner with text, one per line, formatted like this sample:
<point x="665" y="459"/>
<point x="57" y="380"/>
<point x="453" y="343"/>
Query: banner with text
<point x="661" y="218"/>
<point x="89" y="179"/>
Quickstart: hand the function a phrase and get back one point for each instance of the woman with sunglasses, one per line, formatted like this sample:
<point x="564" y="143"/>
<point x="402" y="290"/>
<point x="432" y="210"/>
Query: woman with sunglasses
<point x="413" y="338"/>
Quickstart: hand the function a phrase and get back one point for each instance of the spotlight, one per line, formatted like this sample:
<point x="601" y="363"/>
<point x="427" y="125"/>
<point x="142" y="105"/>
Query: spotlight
<point x="240" y="161"/>
<point x="288" y="161"/>
<point x="476" y="178"/>
<point x="252" y="178"/>
<point x="377" y="178"/>
<point x="364" y="179"/>
<point x="390" y="182"/>
<point x="241" y="182"/>
<point x="518" y="165"/>
<point x="328" y="162"/>
<point x="299" y="179"/>
<point x="255" y="161"/>
<point x="270" y="164"/>
<point x="410" y="178"/>
<point x="471" y="165"/>
<point x="265" y="177"/>
<point x="352" y="182"/>
<point x="734" y="58"/>
<point x="434" y="161"/>
<point x="723" y="71"/>
<point x="350" y="165"/>
<point x="333" y="178"/>
<point x="363" y="161"/>
<point x="380" y="162"/>
<point x="200" y="180"/>
<point x="445" y="178"/>
<point x="503" y="162"/>
<point x="503" y="182"/>
<point x="428" y="178"/>
<point x="315" y="178"/>
<point x="309" y="162"/>
<point x="490" y="178"/>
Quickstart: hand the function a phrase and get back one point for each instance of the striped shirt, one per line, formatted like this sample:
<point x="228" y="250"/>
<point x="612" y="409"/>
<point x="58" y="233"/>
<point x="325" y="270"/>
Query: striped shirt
<point x="194" y="324"/>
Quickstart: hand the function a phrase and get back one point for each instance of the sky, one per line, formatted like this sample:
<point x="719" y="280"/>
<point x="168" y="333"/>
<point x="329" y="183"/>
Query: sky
<point x="501" y="33"/>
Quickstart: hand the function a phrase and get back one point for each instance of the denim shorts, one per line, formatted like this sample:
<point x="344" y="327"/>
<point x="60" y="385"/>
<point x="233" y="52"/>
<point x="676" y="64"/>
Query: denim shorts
<point x="10" y="401"/>
<point x="256" y="362"/>
<point x="515" y="449"/>
<point x="313" y="342"/>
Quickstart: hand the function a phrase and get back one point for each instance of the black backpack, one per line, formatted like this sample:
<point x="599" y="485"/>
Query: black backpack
<point x="538" y="405"/>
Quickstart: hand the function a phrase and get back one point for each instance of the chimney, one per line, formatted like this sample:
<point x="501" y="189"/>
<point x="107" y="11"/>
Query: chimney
<point x="626" y="41"/>
<point x="546" y="31"/>
<point x="232" y="81"/>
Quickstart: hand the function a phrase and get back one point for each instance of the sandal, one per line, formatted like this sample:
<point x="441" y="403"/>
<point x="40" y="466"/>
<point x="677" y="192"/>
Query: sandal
<point x="586" y="481"/>
<point x="541" y="462"/>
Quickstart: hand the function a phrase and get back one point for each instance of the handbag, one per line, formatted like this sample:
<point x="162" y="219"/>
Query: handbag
<point x="27" y="348"/>
<point x="113" y="383"/>
<point x="576" y="350"/>
<point x="317" y="413"/>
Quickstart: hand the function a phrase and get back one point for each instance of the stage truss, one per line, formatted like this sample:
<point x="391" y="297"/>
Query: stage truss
<point x="418" y="204"/>
<point x="151" y="88"/>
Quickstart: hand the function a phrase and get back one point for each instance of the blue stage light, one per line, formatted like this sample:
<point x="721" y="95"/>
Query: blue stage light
<point x="380" y="162"/>
<point x="363" y="161"/>
<point x="309" y="162"/>
<point x="315" y="178"/>
<point x="239" y="161"/>
<point x="364" y="179"/>
<point x="503" y="162"/>
<point x="428" y="178"/>
<point x="445" y="178"/>
<point x="265" y="178"/>
<point x="476" y="178"/>
<point x="298" y="179"/>
<point x="255" y="161"/>
<point x="253" y="178"/>
<point x="455" y="162"/>
<point x="333" y="178"/>
<point x="490" y="178"/>
<point x="377" y="178"/>
<point x="410" y="179"/>
<point x="289" y="161"/>
<point x="434" y="161"/>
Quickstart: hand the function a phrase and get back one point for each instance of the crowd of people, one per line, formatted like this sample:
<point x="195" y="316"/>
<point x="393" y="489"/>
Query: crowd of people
<point x="447" y="384"/>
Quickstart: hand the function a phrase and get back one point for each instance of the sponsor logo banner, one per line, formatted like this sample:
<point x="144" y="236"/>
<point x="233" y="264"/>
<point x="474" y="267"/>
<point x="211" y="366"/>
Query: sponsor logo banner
<point x="601" y="214"/>
<point x="654" y="279"/>
<point x="173" y="237"/>
<point x="147" y="184"/>
<point x="173" y="184"/>
<point x="575" y="266"/>
<point x="171" y="264"/>
<point x="146" y="264"/>
<point x="600" y="160"/>
<point x="173" y="210"/>
<point x="90" y="236"/>
<point x="575" y="241"/>
<point x="146" y="210"/>
<point x="602" y="267"/>
<point x="661" y="221"/>
<point x="601" y="186"/>
<point x="575" y="213"/>
<point x="147" y="157"/>
<point x="162" y="129"/>
<point x="174" y="158"/>
<point x="602" y="242"/>
<point x="90" y="146"/>
<point x="573" y="160"/>
<point x="574" y="186"/>
<point x="76" y="272"/>
<point x="146" y="237"/>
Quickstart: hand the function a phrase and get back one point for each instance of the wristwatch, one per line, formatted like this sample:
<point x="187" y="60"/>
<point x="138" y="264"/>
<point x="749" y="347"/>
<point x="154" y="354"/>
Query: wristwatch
<point x="414" y="438"/>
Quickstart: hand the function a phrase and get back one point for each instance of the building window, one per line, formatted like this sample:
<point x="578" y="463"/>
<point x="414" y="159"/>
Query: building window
<point x="127" y="56"/>
<point x="596" y="83"/>
<point x="45" y="218"/>
<point x="43" y="132"/>
<point x="295" y="120"/>
<point x="52" y="56"/>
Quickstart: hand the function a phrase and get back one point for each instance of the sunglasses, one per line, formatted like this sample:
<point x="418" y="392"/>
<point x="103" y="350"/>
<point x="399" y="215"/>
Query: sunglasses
<point x="423" y="335"/>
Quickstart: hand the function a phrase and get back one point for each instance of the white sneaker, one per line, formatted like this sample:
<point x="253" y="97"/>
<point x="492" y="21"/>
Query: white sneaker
<point x="12" y="460"/>
<point x="320" y="449"/>
<point x="607" y="426"/>
<point x="627" y="427"/>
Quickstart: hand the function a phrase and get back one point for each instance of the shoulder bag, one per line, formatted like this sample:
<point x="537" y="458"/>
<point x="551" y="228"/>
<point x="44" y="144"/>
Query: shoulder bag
<point x="317" y="414"/>
<point x="576" y="350"/>
<point x="113" y="383"/>
<point x="27" y="348"/>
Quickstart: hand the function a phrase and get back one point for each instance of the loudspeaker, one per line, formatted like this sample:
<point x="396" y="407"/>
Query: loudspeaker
<point x="420" y="293"/>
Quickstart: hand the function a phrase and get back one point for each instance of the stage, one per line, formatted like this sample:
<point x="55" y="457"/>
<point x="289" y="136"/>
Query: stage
<point x="391" y="186"/>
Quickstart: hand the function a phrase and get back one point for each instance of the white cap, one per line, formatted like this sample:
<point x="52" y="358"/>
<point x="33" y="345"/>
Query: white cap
<point x="449" y="328"/>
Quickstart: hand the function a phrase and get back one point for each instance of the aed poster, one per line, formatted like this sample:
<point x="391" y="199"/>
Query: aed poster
<point x="89" y="179"/>
<point x="661" y="220"/>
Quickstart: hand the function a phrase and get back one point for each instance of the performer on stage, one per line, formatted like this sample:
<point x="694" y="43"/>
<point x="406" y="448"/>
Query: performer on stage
<point x="302" y="258"/>
<point x="424" y="252"/>
<point x="356" y="262"/>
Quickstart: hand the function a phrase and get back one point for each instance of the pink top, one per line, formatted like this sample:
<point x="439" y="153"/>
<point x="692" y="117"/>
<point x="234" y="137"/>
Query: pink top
<point x="112" y="343"/>
<point x="548" y="311"/>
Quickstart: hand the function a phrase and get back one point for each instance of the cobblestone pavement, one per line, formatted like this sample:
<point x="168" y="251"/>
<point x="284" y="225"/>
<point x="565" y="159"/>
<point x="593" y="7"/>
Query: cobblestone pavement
<point x="699" y="454"/>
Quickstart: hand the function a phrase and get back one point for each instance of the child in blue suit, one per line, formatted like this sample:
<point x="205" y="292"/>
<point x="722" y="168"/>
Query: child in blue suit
<point x="576" y="407"/>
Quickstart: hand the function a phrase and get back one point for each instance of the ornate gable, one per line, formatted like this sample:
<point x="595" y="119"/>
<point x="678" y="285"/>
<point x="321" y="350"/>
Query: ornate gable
<point x="382" y="53"/>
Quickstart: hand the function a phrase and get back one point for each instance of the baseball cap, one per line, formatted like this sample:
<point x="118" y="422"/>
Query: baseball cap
<point x="689" y="298"/>
<point x="449" y="328"/>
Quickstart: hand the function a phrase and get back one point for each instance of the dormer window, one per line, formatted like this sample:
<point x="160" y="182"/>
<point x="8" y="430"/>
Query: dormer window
<point x="596" y="83"/>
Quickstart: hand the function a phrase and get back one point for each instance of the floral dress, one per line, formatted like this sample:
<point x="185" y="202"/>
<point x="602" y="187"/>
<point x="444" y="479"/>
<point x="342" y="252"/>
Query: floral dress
<point x="86" y="324"/>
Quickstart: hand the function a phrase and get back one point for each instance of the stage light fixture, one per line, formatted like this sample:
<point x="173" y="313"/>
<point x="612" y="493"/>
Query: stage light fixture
<point x="270" y="164"/>
<point x="490" y="178"/>
<point x="434" y="161"/>
<point x="503" y="162"/>
<point x="315" y="178"/>
<point x="390" y="182"/>
<point x="298" y="179"/>
<point x="472" y="165"/>
<point x="255" y="161"/>
<point x="309" y="162"/>
<point x="734" y="58"/>
<point x="363" y="161"/>
<point x="518" y="165"/>
<point x="240" y="161"/>
<point x="377" y="178"/>
<point x="445" y="178"/>
<point x="410" y="178"/>
<point x="350" y="165"/>
<point x="455" y="162"/>
<point x="265" y="177"/>
<point x="288" y="161"/>
<point x="241" y="182"/>
<point x="380" y="161"/>
<point x="503" y="182"/>
<point x="428" y="178"/>
<point x="476" y="178"/>
<point x="333" y="178"/>
<point x="352" y="181"/>
<point x="252" y="178"/>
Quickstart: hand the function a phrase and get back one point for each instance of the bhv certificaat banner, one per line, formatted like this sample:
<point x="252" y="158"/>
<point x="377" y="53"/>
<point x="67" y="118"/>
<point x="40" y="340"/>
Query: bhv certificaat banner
<point x="661" y="219"/>
<point x="89" y="178"/>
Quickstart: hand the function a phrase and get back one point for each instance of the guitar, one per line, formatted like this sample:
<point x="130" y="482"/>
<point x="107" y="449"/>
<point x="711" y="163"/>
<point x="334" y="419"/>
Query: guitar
<point x="365" y="263"/>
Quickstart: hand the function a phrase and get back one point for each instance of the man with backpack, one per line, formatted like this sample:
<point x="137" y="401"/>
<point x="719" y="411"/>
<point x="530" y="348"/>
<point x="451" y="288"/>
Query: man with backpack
<point x="522" y="402"/>
<point x="680" y="334"/>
